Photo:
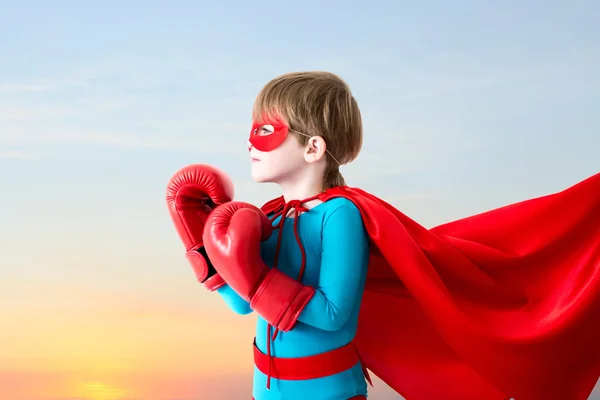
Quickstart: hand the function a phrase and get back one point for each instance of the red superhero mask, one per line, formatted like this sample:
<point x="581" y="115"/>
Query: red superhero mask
<point x="268" y="137"/>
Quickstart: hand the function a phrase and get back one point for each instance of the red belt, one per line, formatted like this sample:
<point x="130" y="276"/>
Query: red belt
<point x="309" y="367"/>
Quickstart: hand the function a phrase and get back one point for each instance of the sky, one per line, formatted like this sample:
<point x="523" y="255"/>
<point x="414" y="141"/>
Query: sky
<point x="467" y="106"/>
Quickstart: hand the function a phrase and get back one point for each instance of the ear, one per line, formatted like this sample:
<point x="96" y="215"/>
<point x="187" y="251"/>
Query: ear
<point x="315" y="149"/>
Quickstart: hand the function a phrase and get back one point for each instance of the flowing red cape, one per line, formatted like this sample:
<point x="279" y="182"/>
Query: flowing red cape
<point x="497" y="305"/>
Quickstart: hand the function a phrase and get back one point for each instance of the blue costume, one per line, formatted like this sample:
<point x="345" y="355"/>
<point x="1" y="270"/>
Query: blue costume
<point x="337" y="256"/>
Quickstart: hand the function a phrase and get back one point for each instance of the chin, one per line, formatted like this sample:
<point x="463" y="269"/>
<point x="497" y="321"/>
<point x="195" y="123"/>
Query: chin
<point x="261" y="177"/>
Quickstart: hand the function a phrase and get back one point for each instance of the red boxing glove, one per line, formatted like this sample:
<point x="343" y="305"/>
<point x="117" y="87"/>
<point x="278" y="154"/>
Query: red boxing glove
<point x="192" y="193"/>
<point x="232" y="237"/>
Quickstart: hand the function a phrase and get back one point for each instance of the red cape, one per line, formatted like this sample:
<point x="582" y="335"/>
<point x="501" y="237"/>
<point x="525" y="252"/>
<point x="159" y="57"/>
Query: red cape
<point x="497" y="305"/>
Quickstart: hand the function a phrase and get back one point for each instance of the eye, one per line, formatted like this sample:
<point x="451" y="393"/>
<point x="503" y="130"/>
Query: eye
<point x="266" y="130"/>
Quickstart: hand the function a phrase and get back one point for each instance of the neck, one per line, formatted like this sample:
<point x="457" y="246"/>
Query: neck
<point x="302" y="188"/>
<point x="301" y="191"/>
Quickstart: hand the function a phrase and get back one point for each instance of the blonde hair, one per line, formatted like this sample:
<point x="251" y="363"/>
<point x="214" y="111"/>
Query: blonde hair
<point x="316" y="103"/>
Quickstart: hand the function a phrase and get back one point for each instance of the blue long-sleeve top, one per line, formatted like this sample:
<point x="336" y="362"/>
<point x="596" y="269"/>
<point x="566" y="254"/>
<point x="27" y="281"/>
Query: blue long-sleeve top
<point x="337" y="254"/>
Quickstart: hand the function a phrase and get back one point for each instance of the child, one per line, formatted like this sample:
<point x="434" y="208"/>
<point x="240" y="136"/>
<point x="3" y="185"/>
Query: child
<point x="497" y="305"/>
<point x="322" y="244"/>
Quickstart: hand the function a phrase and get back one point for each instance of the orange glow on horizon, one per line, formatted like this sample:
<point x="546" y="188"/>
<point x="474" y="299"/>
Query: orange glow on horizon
<point x="100" y="391"/>
<point x="102" y="347"/>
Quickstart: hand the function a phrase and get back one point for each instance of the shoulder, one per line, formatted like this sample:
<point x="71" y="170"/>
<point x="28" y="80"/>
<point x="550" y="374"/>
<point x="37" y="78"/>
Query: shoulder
<point x="337" y="203"/>
<point x="341" y="210"/>
<point x="343" y="224"/>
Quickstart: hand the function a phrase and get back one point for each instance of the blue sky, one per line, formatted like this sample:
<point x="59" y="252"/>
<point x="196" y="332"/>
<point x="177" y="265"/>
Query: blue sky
<point x="473" y="105"/>
<point x="467" y="106"/>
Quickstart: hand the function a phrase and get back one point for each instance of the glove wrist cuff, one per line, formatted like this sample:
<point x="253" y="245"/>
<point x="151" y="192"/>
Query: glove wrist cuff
<point x="279" y="299"/>
<point x="198" y="263"/>
<point x="214" y="282"/>
<point x="205" y="272"/>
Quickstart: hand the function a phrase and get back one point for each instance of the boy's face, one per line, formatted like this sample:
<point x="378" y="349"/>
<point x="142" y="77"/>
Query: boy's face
<point x="277" y="157"/>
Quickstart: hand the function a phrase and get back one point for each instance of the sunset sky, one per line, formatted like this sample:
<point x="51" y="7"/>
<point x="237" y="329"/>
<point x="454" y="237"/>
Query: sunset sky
<point x="466" y="107"/>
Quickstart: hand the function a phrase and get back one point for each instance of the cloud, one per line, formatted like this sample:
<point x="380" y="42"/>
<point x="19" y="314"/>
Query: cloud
<point x="73" y="79"/>
<point x="106" y="111"/>
<point x="200" y="143"/>
<point x="29" y="113"/>
<point x="24" y="88"/>
<point x="19" y="155"/>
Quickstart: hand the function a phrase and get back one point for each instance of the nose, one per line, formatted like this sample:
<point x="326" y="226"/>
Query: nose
<point x="249" y="145"/>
